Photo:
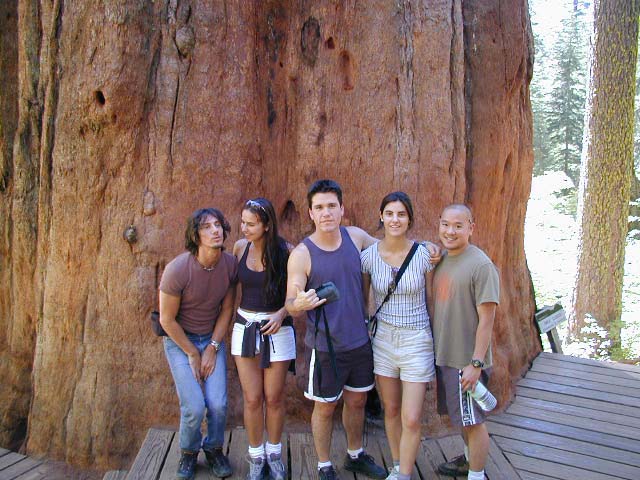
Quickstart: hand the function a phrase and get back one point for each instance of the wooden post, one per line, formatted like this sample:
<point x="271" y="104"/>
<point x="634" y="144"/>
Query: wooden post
<point x="547" y="319"/>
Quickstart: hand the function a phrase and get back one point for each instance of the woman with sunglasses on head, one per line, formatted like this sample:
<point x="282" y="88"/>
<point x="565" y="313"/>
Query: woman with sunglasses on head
<point x="402" y="341"/>
<point x="263" y="339"/>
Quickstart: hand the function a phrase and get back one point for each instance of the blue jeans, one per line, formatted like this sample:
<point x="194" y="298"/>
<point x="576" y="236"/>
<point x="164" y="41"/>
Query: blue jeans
<point x="196" y="399"/>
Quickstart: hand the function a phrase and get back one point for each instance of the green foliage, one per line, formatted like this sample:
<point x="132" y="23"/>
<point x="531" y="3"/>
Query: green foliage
<point x="558" y="90"/>
<point x="567" y="201"/>
<point x="565" y="117"/>
<point x="541" y="151"/>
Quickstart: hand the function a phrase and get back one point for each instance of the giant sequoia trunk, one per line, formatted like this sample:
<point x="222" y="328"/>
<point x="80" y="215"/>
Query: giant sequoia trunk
<point x="119" y="114"/>
<point x="607" y="169"/>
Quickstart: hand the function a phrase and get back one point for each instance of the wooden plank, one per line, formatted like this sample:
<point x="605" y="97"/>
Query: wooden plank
<point x="41" y="472"/>
<point x="3" y="451"/>
<point x="599" y="369"/>
<point x="580" y="392"/>
<point x="172" y="459"/>
<point x="564" y="443"/>
<point x="499" y="468"/>
<point x="237" y="445"/>
<point x="584" y="462"/>
<point x="375" y="444"/>
<point x="9" y="459"/>
<point x="285" y="451"/>
<point x="148" y="463"/>
<point x="378" y="447"/>
<point x="573" y="421"/>
<point x="118" y="474"/>
<point x="338" y="452"/>
<point x="588" y="361"/>
<point x="631" y="412"/>
<point x="379" y="443"/>
<point x="554" y="470"/>
<point x="18" y="468"/>
<point x="589" y="385"/>
<point x="534" y="476"/>
<point x="429" y="457"/>
<point x="588" y="373"/>
<point x="545" y="406"/>
<point x="555" y="342"/>
<point x="570" y="432"/>
<point x="451" y="446"/>
<point x="304" y="462"/>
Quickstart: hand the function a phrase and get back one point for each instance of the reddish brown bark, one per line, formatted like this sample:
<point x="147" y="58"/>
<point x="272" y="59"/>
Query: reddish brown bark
<point x="136" y="113"/>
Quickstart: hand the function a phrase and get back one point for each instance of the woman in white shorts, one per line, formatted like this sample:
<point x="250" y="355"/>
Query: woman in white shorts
<point x="403" y="345"/>
<point x="263" y="340"/>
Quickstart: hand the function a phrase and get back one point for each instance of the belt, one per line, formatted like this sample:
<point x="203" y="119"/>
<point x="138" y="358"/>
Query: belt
<point x="249" y="341"/>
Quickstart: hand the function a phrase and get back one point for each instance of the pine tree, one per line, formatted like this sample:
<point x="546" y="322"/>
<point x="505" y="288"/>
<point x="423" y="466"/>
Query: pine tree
<point x="567" y="99"/>
<point x="538" y="94"/>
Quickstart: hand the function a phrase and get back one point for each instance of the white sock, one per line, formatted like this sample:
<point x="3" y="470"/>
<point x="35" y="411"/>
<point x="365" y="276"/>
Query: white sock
<point x="324" y="464"/>
<point x="475" y="475"/>
<point x="466" y="452"/>
<point x="256" y="452"/>
<point x="354" y="453"/>
<point x="273" y="448"/>
<point x="396" y="465"/>
<point x="402" y="476"/>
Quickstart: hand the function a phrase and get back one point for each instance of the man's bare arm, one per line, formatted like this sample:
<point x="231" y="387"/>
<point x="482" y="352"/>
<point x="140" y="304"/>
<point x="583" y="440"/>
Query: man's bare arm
<point x="360" y="238"/>
<point x="486" y="315"/>
<point x="298" y="268"/>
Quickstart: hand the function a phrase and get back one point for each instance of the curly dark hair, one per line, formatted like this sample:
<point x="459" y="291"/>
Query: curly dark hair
<point x="275" y="254"/>
<point x="192" y="232"/>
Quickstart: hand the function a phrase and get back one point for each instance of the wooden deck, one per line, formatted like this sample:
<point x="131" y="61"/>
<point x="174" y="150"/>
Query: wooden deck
<point x="571" y="418"/>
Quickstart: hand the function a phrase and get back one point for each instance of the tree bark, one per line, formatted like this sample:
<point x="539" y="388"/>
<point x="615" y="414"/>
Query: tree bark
<point x="605" y="181"/>
<point x="135" y="113"/>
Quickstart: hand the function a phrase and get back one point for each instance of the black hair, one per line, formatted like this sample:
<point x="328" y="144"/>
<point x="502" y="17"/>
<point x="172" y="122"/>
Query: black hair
<point x="192" y="232"/>
<point x="324" y="186"/>
<point x="275" y="254"/>
<point x="398" y="197"/>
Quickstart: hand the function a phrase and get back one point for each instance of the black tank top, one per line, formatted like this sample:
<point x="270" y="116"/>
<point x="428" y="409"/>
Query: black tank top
<point x="253" y="287"/>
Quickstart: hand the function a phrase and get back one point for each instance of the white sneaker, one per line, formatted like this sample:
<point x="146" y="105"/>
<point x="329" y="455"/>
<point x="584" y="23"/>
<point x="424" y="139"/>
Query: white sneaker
<point x="393" y="473"/>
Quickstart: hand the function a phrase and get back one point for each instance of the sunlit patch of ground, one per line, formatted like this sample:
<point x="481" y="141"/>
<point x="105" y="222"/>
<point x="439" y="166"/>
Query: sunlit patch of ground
<point x="550" y="244"/>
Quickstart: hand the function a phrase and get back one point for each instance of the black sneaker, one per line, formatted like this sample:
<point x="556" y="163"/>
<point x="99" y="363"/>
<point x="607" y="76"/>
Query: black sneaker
<point x="187" y="466"/>
<point x="328" y="473"/>
<point x="218" y="463"/>
<point x="366" y="465"/>
<point x="458" y="467"/>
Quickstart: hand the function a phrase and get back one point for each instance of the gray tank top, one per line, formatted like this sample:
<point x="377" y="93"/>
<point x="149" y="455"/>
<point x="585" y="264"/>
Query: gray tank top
<point x="346" y="317"/>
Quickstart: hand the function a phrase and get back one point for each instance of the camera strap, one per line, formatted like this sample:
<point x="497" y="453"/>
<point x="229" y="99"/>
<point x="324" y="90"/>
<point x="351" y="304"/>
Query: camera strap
<point x="332" y="354"/>
<point x="373" y="323"/>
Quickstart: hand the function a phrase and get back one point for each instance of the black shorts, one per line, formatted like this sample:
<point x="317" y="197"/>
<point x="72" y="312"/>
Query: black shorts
<point x="460" y="406"/>
<point x="355" y="373"/>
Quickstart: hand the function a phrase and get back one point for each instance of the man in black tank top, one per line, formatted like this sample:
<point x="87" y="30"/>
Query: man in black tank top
<point x="339" y="352"/>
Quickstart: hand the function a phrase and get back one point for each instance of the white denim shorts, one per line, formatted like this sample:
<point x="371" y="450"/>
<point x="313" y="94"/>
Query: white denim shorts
<point x="283" y="343"/>
<point x="403" y="353"/>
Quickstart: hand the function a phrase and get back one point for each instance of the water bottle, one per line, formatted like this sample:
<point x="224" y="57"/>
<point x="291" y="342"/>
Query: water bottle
<point x="483" y="397"/>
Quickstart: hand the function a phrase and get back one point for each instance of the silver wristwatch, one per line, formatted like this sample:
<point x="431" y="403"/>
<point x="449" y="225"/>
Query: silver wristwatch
<point x="215" y="345"/>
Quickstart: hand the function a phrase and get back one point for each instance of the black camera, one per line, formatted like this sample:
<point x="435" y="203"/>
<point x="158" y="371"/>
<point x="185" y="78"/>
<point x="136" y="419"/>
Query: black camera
<point x="329" y="291"/>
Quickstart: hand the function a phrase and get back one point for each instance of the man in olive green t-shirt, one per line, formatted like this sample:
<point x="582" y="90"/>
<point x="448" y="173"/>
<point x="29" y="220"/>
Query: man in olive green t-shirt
<point x="465" y="295"/>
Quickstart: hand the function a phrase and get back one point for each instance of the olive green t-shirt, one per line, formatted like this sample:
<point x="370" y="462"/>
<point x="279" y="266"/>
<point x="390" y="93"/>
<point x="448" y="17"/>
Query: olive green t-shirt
<point x="460" y="283"/>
